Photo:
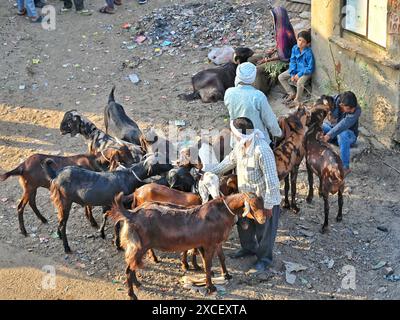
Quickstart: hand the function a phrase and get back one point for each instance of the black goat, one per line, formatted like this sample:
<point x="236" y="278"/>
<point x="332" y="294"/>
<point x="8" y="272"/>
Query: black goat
<point x="119" y="125"/>
<point x="87" y="188"/>
<point x="74" y="123"/>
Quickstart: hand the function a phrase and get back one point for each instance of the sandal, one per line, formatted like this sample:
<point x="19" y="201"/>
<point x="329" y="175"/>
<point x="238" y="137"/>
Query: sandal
<point x="106" y="9"/>
<point x="118" y="2"/>
<point x="22" y="13"/>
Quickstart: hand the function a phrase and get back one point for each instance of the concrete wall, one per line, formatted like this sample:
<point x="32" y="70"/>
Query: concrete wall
<point x="369" y="70"/>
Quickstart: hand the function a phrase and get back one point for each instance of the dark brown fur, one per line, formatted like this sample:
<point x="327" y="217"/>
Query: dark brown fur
<point x="323" y="161"/>
<point x="176" y="229"/>
<point x="290" y="153"/>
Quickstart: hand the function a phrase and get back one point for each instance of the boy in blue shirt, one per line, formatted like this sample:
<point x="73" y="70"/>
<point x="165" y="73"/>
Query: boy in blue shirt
<point x="302" y="66"/>
<point x="344" y="130"/>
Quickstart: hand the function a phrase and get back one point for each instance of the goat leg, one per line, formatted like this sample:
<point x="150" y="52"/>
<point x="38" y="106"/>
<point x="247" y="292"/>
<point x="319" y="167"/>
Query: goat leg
<point x="32" y="203"/>
<point x="293" y="182"/>
<point x="194" y="260"/>
<point x="131" y="277"/>
<point x="326" y="211"/>
<point x="340" y="203"/>
<point x="310" y="184"/>
<point x="208" y="255"/>
<point x="184" y="263"/>
<point x="63" y="215"/>
<point x="221" y="258"/>
<point x="117" y="236"/>
<point x="103" y="225"/>
<point x="153" y="256"/>
<point x="89" y="216"/>
<point x="286" y="204"/>
<point x="20" y="210"/>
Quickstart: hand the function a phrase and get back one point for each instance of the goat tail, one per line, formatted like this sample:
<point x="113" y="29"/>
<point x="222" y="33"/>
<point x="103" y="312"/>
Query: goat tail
<point x="111" y="96"/>
<point x="18" y="171"/>
<point x="117" y="212"/>
<point x="48" y="170"/>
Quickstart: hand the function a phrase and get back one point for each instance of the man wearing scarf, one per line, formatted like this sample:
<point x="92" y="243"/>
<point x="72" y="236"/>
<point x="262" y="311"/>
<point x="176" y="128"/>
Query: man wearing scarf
<point x="246" y="101"/>
<point x="255" y="166"/>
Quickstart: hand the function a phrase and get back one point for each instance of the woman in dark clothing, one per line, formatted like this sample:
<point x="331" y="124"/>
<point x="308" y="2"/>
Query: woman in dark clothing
<point x="275" y="61"/>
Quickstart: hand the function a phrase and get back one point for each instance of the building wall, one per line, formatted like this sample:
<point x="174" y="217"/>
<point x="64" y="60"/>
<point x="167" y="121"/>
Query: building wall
<point x="369" y="70"/>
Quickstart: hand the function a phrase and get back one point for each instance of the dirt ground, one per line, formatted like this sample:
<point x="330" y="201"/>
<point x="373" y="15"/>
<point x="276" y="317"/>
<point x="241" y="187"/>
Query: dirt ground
<point x="79" y="63"/>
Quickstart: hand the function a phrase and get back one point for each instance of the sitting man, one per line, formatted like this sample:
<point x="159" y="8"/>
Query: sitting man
<point x="344" y="131"/>
<point x="256" y="171"/>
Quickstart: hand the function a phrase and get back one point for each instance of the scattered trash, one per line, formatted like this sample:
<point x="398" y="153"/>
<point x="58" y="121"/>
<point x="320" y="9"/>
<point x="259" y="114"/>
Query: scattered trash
<point x="383" y="229"/>
<point x="307" y="234"/>
<point x="134" y="78"/>
<point x="221" y="55"/>
<point x="349" y="255"/>
<point x="90" y="273"/>
<point x="4" y="199"/>
<point x="80" y="265"/>
<point x="379" y="265"/>
<point x="21" y="87"/>
<point x="140" y="39"/>
<point x="329" y="262"/>
<point x="180" y="123"/>
<point x="382" y="290"/>
<point x="393" y="278"/>
<point x="54" y="235"/>
<point x="292" y="267"/>
<point x="43" y="239"/>
<point x="35" y="61"/>
<point x="126" y="26"/>
<point x="388" y="271"/>
<point x="166" y="43"/>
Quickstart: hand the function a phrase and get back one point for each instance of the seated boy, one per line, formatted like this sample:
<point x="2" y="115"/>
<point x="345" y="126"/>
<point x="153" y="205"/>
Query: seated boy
<point x="301" y="68"/>
<point x="344" y="132"/>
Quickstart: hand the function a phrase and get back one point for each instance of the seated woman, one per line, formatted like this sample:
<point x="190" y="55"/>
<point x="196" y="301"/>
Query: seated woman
<point x="275" y="61"/>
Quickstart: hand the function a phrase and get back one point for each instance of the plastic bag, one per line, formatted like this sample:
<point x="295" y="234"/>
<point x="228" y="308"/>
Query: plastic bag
<point x="221" y="55"/>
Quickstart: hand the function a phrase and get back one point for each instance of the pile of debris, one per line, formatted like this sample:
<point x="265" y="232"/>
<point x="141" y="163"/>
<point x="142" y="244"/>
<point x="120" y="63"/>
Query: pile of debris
<point x="203" y="25"/>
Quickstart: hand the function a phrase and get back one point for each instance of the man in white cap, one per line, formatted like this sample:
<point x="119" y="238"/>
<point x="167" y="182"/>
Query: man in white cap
<point x="244" y="100"/>
<point x="255" y="165"/>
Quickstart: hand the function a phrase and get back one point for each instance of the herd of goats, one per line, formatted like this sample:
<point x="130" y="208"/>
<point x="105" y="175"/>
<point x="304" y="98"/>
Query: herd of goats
<point x="170" y="205"/>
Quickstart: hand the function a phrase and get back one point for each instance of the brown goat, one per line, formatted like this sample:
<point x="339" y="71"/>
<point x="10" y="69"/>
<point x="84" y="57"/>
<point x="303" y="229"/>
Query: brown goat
<point x="323" y="161"/>
<point x="290" y="152"/>
<point x="32" y="176"/>
<point x="176" y="229"/>
<point x="157" y="193"/>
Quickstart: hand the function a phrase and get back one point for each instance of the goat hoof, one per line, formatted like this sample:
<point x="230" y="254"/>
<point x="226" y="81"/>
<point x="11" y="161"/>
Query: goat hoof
<point x="94" y="225"/>
<point x="324" y="230"/>
<point x="102" y="235"/>
<point x="211" y="289"/>
<point x="44" y="221"/>
<point x="309" y="200"/>
<point x="132" y="296"/>
<point x="68" y="250"/>
<point x="197" y="267"/>
<point x="227" y="276"/>
<point x="295" y="209"/>
<point x="24" y="233"/>
<point x="185" y="267"/>
<point x="286" y="206"/>
<point x="339" y="218"/>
